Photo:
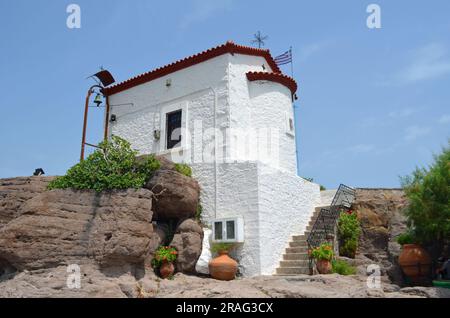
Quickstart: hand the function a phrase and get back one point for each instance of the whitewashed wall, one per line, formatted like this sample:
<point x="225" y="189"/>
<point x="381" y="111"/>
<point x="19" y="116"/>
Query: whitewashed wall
<point x="202" y="88"/>
<point x="274" y="204"/>
<point x="261" y="104"/>
<point x="286" y="204"/>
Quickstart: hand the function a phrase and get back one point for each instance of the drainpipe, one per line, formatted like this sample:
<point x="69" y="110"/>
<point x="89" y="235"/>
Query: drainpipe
<point x="106" y="117"/>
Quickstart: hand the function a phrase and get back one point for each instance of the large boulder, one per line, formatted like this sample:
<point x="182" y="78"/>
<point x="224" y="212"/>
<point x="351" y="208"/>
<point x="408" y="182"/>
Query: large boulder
<point x="63" y="226"/>
<point x="176" y="195"/>
<point x="380" y="212"/>
<point x="14" y="192"/>
<point x="188" y="241"/>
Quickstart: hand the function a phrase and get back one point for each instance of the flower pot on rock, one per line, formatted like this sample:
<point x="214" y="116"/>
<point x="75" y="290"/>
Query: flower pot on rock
<point x="324" y="266"/>
<point x="163" y="261"/>
<point x="415" y="262"/>
<point x="223" y="267"/>
<point x="323" y="256"/>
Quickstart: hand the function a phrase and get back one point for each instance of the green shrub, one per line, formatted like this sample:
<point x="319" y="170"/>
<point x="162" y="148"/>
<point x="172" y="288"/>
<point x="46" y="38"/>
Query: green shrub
<point x="184" y="169"/>
<point x="217" y="247"/>
<point x="428" y="193"/>
<point x="342" y="268"/>
<point x="406" y="238"/>
<point x="349" y="230"/>
<point x="112" y="166"/>
<point x="323" y="252"/>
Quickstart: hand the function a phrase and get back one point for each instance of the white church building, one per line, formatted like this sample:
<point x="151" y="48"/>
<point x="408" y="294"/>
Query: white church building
<point x="228" y="113"/>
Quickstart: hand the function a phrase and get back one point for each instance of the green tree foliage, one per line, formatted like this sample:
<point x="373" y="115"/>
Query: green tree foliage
<point x="112" y="166"/>
<point x="428" y="191"/>
<point x="349" y="230"/>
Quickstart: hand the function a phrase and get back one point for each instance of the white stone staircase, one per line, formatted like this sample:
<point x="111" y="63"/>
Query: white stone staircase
<point x="295" y="259"/>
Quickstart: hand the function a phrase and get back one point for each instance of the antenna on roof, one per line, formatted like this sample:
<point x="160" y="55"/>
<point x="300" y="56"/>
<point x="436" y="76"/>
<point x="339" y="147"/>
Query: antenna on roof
<point x="259" y="39"/>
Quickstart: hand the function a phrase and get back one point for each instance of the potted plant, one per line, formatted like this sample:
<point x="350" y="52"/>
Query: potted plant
<point x="164" y="258"/>
<point x="323" y="256"/>
<point x="414" y="260"/>
<point x="223" y="267"/>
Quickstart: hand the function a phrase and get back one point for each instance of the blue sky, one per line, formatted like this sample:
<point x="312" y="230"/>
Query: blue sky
<point x="374" y="103"/>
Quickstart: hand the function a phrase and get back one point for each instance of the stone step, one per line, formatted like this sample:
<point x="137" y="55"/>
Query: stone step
<point x="310" y="227"/>
<point x="301" y="244"/>
<point x="296" y="250"/>
<point x="293" y="271"/>
<point x="296" y="257"/>
<point x="294" y="263"/>
<point x="299" y="238"/>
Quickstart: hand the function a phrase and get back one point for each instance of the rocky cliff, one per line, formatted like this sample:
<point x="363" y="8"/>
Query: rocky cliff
<point x="111" y="236"/>
<point x="380" y="212"/>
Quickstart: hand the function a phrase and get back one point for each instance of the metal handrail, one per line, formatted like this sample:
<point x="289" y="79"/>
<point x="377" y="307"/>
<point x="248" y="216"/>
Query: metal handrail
<point x="325" y="224"/>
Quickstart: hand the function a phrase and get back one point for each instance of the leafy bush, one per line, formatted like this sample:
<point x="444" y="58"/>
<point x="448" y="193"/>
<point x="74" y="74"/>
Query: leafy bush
<point x="428" y="191"/>
<point x="112" y="166"/>
<point x="406" y="238"/>
<point x="342" y="268"/>
<point x="323" y="252"/>
<point x="217" y="247"/>
<point x="184" y="169"/>
<point x="349" y="230"/>
<point x="164" y="254"/>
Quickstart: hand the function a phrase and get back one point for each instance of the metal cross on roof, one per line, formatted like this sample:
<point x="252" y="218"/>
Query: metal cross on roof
<point x="259" y="39"/>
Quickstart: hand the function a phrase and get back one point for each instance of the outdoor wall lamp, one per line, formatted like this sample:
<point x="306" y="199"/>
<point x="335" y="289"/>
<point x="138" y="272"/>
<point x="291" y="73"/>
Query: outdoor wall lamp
<point x="157" y="134"/>
<point x="113" y="118"/>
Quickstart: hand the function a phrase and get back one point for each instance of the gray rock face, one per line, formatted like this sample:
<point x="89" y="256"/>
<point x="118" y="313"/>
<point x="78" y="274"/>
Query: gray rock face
<point x="64" y="226"/>
<point x="16" y="191"/>
<point x="188" y="241"/>
<point x="382" y="220"/>
<point x="177" y="196"/>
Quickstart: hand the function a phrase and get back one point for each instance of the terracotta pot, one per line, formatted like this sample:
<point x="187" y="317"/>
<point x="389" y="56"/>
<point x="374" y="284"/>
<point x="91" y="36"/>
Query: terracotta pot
<point x="324" y="266"/>
<point x="223" y="267"/>
<point x="166" y="270"/>
<point x="415" y="262"/>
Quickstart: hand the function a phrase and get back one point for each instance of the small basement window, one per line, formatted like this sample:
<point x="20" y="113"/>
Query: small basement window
<point x="228" y="230"/>
<point x="173" y="129"/>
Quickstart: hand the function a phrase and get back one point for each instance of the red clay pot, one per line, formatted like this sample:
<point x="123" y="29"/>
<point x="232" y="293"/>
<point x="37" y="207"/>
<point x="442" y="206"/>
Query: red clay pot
<point x="415" y="262"/>
<point x="166" y="270"/>
<point x="324" y="266"/>
<point x="223" y="267"/>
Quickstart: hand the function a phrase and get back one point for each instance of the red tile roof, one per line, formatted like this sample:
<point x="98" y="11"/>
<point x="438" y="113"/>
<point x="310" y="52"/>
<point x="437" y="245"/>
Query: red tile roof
<point x="228" y="47"/>
<point x="282" y="79"/>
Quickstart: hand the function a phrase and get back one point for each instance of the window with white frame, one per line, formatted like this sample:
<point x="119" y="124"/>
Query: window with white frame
<point x="228" y="230"/>
<point x="173" y="126"/>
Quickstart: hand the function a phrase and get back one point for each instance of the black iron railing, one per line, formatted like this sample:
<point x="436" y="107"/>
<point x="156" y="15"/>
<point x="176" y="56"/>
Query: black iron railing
<point x="323" y="230"/>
